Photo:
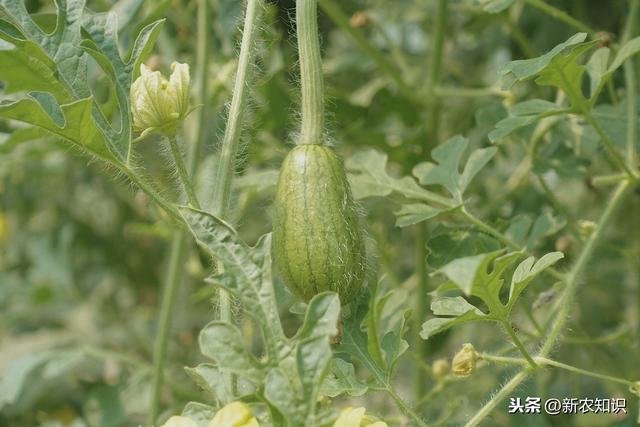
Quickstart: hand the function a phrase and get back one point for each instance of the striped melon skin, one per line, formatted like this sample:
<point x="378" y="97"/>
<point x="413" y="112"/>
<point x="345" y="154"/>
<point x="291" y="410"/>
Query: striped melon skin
<point x="318" y="243"/>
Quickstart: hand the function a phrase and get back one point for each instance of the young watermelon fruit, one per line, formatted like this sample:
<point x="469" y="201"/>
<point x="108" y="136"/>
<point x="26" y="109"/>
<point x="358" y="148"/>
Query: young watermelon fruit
<point x="318" y="243"/>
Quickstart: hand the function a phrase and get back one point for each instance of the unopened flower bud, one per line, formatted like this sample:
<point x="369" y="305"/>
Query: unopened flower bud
<point x="180" y="422"/>
<point x="234" y="414"/>
<point x="586" y="227"/>
<point x="440" y="368"/>
<point x="158" y="103"/>
<point x="464" y="362"/>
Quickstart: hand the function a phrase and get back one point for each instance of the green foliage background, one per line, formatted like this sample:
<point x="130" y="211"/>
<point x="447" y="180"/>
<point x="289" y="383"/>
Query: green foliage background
<point x="83" y="252"/>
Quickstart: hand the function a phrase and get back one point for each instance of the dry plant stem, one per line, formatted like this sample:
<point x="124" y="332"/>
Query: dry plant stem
<point x="567" y="301"/>
<point x="179" y="245"/>
<point x="231" y="141"/>
<point x="561" y="16"/>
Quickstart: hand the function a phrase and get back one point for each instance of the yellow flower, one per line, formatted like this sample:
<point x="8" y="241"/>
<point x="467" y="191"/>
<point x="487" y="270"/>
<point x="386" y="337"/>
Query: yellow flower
<point x="180" y="422"/>
<point x="464" y="362"/>
<point x="158" y="103"/>
<point x="351" y="417"/>
<point x="234" y="414"/>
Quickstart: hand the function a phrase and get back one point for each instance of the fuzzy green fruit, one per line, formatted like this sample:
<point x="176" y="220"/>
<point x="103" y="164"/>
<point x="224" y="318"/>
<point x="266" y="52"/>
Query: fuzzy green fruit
<point x="318" y="243"/>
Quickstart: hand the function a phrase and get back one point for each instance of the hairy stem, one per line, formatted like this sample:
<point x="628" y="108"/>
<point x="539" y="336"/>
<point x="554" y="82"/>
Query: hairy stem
<point x="550" y="362"/>
<point x="237" y="111"/>
<point x="139" y="178"/>
<point x="312" y="85"/>
<point x="405" y="409"/>
<point x="544" y="361"/>
<point x="182" y="171"/>
<point x="502" y="394"/>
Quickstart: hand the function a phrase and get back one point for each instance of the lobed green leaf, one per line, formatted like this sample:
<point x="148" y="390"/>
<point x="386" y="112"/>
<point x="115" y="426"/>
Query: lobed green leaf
<point x="223" y="342"/>
<point x="527" y="270"/>
<point x="516" y="71"/>
<point x="446" y="171"/>
<point x="369" y="178"/>
<point x="343" y="380"/>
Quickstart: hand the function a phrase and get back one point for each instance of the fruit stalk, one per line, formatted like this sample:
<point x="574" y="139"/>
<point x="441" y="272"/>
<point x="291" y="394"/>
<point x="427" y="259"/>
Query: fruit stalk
<point x="310" y="72"/>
